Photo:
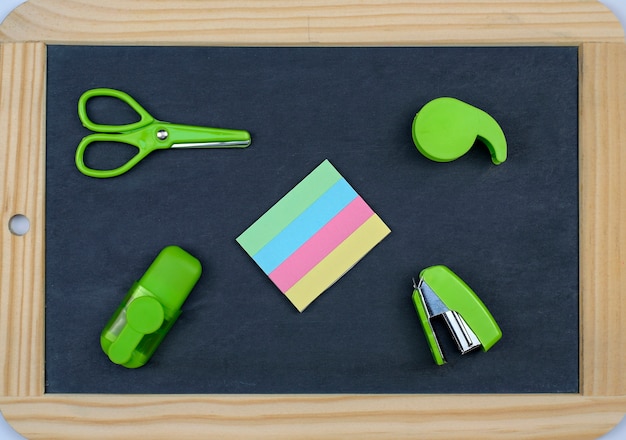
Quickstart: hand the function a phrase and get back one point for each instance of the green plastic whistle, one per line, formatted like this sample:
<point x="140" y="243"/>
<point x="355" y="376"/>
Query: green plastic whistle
<point x="150" y="308"/>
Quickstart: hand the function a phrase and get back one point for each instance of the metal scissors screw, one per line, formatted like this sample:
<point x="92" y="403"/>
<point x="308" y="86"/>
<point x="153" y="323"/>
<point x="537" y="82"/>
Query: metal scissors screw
<point x="147" y="135"/>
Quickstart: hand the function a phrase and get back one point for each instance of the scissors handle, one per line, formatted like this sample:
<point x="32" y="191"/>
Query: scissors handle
<point x="145" y="118"/>
<point x="109" y="137"/>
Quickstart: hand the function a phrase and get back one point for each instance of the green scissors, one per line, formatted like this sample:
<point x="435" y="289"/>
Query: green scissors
<point x="147" y="135"/>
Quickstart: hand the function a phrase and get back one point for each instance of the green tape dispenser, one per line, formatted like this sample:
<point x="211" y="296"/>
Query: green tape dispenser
<point x="150" y="308"/>
<point x="440" y="292"/>
<point x="446" y="128"/>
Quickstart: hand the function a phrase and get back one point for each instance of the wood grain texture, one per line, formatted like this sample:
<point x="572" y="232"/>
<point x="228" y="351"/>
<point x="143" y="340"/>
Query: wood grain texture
<point x="283" y="22"/>
<point x="327" y="416"/>
<point x="603" y="219"/>
<point x="22" y="165"/>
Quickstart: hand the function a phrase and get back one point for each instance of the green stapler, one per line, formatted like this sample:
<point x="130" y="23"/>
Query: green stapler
<point x="440" y="292"/>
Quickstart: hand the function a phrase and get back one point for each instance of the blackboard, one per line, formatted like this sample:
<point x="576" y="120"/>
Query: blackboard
<point x="511" y="231"/>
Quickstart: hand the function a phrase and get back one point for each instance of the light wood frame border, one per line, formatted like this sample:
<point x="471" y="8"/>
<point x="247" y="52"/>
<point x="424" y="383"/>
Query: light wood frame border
<point x="601" y="402"/>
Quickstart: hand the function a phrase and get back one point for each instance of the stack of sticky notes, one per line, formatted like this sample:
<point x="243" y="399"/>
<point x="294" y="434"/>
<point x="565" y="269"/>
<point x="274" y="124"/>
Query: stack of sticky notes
<point x="313" y="235"/>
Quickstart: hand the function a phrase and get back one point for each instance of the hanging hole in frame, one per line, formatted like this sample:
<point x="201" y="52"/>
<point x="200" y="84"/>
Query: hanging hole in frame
<point x="19" y="224"/>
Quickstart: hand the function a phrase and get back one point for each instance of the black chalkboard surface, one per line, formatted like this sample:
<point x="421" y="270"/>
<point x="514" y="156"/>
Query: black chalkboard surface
<point x="510" y="231"/>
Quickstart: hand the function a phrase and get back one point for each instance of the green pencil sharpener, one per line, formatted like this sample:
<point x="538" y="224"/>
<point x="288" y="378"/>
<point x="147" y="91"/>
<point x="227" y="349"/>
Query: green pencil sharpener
<point x="150" y="308"/>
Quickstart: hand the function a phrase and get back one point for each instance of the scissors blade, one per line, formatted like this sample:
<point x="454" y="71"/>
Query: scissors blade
<point x="187" y="136"/>
<point x="220" y="144"/>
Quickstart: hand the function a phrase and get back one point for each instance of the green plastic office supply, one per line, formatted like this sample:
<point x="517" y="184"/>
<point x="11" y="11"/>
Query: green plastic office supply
<point x="440" y="292"/>
<point x="446" y="128"/>
<point x="150" y="308"/>
<point x="147" y="135"/>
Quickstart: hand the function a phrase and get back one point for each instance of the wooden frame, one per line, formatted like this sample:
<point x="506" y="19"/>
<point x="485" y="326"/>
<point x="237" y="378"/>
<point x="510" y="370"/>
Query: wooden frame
<point x="601" y="402"/>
